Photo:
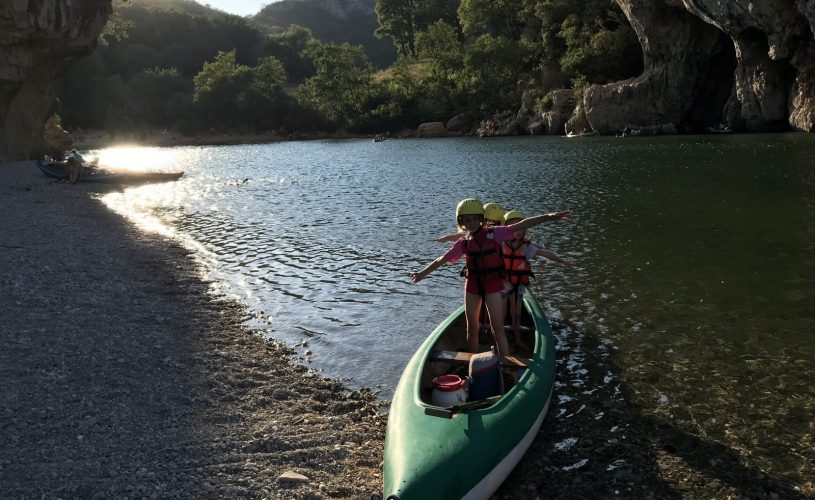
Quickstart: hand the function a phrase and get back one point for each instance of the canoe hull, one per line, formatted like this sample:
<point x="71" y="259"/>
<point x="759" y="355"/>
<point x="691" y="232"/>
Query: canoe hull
<point x="468" y="455"/>
<point x="487" y="486"/>
<point x="57" y="170"/>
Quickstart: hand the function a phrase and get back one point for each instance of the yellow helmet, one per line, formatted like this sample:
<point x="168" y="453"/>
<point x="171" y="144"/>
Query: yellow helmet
<point x="513" y="214"/>
<point x="469" y="206"/>
<point x="494" y="211"/>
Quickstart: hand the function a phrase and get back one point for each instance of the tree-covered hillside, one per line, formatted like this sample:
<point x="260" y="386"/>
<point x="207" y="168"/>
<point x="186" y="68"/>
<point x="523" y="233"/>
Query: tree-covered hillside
<point x="186" y="67"/>
<point x="338" y="21"/>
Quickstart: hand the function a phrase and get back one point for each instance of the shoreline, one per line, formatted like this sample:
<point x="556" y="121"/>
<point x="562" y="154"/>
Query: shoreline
<point x="124" y="377"/>
<point x="96" y="139"/>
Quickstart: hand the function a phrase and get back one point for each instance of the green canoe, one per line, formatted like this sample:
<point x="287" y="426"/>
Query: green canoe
<point x="466" y="451"/>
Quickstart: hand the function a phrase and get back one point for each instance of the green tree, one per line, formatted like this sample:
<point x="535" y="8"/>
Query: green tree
<point x="87" y="92"/>
<point x="440" y="43"/>
<point x="229" y="94"/>
<point x="492" y="65"/>
<point x="341" y="87"/>
<point x="497" y="17"/>
<point x="117" y="28"/>
<point x="588" y="40"/>
<point x="397" y="20"/>
<point x="401" y="20"/>
<point x="320" y="17"/>
<point x="598" y="53"/>
<point x="290" y="48"/>
<point x="220" y="89"/>
<point x="157" y="96"/>
<point x="439" y="46"/>
<point x="268" y="77"/>
<point x="403" y="88"/>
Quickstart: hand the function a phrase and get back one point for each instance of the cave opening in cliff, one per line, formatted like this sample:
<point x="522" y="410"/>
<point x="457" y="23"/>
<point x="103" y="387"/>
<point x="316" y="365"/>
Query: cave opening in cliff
<point x="765" y="83"/>
<point x="714" y="87"/>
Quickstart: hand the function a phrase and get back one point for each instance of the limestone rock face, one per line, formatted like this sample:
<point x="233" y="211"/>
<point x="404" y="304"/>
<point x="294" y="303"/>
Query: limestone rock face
<point x="563" y="106"/>
<point x="56" y="139"/>
<point x="459" y="124"/>
<point x="577" y="123"/>
<point x="38" y="38"/>
<point x="748" y="63"/>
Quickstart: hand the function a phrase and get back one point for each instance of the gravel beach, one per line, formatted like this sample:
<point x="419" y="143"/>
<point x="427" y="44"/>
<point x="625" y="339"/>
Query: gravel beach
<point x="124" y="377"/>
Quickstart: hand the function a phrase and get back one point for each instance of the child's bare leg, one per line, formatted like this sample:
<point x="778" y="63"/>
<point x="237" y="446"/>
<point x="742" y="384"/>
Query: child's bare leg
<point x="495" y="307"/>
<point x="517" y="302"/>
<point x="472" y="311"/>
<point x="482" y="321"/>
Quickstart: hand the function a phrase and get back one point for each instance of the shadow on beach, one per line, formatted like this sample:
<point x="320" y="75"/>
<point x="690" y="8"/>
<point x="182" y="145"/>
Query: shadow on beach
<point x="123" y="377"/>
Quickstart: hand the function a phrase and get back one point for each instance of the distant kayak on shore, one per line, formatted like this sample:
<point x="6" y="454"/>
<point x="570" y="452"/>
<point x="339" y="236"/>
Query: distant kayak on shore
<point x="58" y="170"/>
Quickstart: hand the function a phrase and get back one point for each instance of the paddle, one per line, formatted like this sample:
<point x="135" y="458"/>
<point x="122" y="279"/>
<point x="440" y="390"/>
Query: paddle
<point x="452" y="410"/>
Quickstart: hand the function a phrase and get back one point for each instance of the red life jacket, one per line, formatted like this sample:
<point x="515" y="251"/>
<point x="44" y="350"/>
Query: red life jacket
<point x="484" y="259"/>
<point x="517" y="267"/>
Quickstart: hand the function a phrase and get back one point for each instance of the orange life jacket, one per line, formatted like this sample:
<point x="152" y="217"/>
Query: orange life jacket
<point x="517" y="267"/>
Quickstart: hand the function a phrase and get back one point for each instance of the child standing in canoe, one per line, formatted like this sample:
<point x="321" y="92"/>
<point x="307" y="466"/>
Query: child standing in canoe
<point x="517" y="253"/>
<point x="493" y="216"/>
<point x="481" y="247"/>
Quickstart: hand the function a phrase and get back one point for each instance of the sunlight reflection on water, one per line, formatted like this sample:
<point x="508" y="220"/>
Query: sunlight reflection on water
<point x="137" y="158"/>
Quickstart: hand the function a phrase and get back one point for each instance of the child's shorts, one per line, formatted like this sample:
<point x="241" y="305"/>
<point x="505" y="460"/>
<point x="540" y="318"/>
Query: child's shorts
<point x="490" y="286"/>
<point x="510" y="290"/>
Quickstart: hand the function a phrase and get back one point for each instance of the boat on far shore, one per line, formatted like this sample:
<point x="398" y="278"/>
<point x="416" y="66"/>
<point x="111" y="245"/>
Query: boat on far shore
<point x="719" y="129"/>
<point x="58" y="170"/>
<point x="581" y="134"/>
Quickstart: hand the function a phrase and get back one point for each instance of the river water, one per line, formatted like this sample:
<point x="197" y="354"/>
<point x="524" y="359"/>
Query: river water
<point x="695" y="258"/>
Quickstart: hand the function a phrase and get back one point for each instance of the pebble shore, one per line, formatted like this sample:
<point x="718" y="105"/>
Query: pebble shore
<point x="124" y="377"/>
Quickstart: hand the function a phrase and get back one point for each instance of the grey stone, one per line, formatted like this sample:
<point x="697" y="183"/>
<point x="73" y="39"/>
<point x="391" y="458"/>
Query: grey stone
<point x="431" y="129"/>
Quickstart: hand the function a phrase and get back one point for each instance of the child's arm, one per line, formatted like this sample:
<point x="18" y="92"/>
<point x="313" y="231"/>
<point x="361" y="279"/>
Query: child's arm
<point x="447" y="238"/>
<point x="419" y="276"/>
<point x="537" y="219"/>
<point x="542" y="252"/>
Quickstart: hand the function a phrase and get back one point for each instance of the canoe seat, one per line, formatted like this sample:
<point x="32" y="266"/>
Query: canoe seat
<point x="464" y="357"/>
<point x="515" y="361"/>
<point x="521" y="328"/>
<point x="451" y="356"/>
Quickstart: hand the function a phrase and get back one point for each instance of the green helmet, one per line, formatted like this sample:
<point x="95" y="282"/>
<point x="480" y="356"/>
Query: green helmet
<point x="513" y="214"/>
<point x="469" y="206"/>
<point x="494" y="211"/>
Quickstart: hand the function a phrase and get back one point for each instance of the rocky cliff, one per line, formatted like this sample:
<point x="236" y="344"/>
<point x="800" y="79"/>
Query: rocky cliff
<point x="747" y="63"/>
<point x="38" y="38"/>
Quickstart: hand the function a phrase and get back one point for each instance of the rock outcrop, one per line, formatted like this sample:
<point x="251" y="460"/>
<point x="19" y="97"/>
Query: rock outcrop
<point x="563" y="104"/>
<point x="431" y="129"/>
<point x="747" y="63"/>
<point x="38" y="38"/>
<point x="56" y="139"/>
<point x="459" y="124"/>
